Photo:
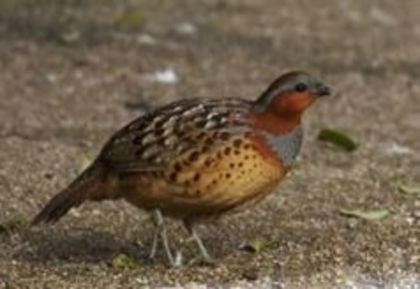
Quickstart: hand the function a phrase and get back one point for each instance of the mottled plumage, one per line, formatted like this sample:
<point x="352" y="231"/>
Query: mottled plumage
<point x="199" y="158"/>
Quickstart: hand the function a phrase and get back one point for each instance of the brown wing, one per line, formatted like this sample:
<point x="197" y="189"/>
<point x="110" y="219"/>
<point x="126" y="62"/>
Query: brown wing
<point x="150" y="142"/>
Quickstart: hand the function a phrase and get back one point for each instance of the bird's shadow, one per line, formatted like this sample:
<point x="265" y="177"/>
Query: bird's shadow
<point x="85" y="245"/>
<point x="79" y="246"/>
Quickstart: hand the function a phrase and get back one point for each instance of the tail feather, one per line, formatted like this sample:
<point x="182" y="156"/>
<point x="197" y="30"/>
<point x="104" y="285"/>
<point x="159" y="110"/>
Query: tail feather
<point x="80" y="190"/>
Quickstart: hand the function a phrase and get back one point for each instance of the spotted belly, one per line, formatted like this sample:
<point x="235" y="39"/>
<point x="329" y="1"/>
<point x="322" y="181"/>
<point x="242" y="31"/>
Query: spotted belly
<point x="197" y="185"/>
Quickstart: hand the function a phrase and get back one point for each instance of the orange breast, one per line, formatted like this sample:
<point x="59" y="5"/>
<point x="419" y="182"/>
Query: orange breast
<point x="198" y="184"/>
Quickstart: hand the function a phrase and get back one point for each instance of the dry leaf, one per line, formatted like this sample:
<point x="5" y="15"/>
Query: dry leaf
<point x="129" y="16"/>
<point x="124" y="262"/>
<point x="255" y="245"/>
<point x="412" y="189"/>
<point x="369" y="214"/>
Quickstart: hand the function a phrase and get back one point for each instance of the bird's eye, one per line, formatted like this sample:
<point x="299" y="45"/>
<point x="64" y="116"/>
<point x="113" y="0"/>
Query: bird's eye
<point x="301" y="87"/>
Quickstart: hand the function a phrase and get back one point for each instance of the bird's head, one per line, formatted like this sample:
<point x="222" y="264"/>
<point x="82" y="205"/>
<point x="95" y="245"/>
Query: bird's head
<point x="284" y="101"/>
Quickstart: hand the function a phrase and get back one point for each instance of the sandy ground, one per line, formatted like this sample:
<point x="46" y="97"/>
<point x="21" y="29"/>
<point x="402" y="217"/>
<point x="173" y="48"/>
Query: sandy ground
<point x="72" y="72"/>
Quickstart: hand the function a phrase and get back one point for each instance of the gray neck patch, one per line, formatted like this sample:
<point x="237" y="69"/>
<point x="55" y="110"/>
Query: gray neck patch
<point x="287" y="146"/>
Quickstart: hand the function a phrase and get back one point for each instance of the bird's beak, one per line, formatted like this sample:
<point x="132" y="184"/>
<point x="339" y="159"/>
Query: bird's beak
<point x="322" y="90"/>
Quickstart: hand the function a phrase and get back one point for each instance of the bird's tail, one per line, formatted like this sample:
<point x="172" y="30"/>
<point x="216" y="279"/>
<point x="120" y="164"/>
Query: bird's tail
<point x="93" y="183"/>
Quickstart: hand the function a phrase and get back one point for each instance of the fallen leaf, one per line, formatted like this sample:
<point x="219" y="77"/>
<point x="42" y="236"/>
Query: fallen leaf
<point x="338" y="139"/>
<point x="369" y="214"/>
<point x="411" y="189"/>
<point x="394" y="148"/>
<point x="124" y="262"/>
<point x="129" y="16"/>
<point x="255" y="245"/>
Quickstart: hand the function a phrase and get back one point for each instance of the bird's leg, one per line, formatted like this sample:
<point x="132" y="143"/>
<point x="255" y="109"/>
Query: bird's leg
<point x="161" y="232"/>
<point x="156" y="233"/>
<point x="205" y="257"/>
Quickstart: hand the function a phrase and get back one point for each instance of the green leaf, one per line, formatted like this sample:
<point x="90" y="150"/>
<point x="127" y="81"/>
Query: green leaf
<point x="369" y="214"/>
<point x="411" y="189"/>
<point x="338" y="139"/>
<point x="124" y="262"/>
<point x="255" y="245"/>
<point x="129" y="16"/>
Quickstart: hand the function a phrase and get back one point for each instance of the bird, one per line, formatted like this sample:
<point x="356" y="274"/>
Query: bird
<point x="198" y="159"/>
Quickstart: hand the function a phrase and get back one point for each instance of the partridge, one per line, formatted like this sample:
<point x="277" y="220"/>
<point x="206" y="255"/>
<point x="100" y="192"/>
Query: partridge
<point x="197" y="159"/>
